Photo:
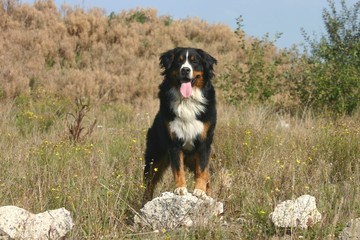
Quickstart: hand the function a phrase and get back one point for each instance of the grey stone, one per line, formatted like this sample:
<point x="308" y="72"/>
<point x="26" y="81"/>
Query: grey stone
<point x="17" y="223"/>
<point x="301" y="212"/>
<point x="171" y="211"/>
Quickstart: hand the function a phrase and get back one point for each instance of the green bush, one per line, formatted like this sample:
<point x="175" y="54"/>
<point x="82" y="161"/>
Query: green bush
<point x="258" y="75"/>
<point x="331" y="81"/>
<point x="138" y="16"/>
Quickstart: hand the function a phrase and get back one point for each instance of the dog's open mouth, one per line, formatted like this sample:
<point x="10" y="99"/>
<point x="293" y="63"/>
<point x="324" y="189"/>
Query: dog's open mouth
<point x="186" y="87"/>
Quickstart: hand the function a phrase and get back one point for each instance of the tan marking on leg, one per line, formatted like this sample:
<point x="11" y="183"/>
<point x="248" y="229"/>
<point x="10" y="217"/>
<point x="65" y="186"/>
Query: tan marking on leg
<point x="179" y="177"/>
<point x="201" y="177"/>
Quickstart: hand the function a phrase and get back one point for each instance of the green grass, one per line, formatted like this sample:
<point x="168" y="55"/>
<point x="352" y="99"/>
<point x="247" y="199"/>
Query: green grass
<point x="256" y="164"/>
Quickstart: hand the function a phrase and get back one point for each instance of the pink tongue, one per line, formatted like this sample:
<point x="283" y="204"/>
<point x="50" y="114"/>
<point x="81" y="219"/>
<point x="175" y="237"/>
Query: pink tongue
<point x="186" y="89"/>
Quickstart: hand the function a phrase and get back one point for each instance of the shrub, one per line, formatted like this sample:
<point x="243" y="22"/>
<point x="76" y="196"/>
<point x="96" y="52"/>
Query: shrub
<point x="259" y="73"/>
<point x="138" y="16"/>
<point x="331" y="81"/>
<point x="115" y="57"/>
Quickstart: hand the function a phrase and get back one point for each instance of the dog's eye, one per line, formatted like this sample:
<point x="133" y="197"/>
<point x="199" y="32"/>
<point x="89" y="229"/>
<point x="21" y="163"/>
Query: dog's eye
<point x="179" y="62"/>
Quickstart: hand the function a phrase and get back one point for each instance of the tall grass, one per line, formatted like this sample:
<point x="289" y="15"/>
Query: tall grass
<point x="261" y="154"/>
<point x="257" y="162"/>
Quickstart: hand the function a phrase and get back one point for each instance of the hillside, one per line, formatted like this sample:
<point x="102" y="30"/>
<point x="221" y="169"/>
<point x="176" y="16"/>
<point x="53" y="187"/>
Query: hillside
<point x="104" y="57"/>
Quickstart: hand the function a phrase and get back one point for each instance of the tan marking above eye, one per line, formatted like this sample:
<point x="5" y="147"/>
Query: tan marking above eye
<point x="181" y="58"/>
<point x="192" y="58"/>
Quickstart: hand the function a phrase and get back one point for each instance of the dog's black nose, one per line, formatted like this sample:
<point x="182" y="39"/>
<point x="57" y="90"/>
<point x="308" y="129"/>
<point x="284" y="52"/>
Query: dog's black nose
<point x="185" y="71"/>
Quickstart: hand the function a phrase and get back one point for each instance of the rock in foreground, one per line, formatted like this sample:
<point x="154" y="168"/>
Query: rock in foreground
<point x="18" y="223"/>
<point x="171" y="211"/>
<point x="301" y="212"/>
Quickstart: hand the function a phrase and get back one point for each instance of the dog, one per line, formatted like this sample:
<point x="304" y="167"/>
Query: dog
<point x="183" y="129"/>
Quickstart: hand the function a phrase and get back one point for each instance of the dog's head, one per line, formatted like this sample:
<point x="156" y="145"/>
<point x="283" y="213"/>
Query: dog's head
<point x="187" y="68"/>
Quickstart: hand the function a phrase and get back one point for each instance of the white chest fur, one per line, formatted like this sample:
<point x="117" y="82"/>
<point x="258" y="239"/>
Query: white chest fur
<point x="185" y="125"/>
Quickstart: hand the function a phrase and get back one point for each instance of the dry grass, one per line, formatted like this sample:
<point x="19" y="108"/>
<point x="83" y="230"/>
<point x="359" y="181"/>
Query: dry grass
<point x="256" y="163"/>
<point x="261" y="155"/>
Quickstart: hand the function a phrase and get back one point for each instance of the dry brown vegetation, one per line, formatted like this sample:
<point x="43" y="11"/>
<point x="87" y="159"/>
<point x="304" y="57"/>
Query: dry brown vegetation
<point x="103" y="57"/>
<point x="51" y="57"/>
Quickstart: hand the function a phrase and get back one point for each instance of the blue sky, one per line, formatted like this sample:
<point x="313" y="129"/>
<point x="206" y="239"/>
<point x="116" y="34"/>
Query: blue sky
<point x="260" y="16"/>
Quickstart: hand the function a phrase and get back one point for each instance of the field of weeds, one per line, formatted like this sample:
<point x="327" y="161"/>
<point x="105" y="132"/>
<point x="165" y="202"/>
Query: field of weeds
<point x="59" y="65"/>
<point x="259" y="159"/>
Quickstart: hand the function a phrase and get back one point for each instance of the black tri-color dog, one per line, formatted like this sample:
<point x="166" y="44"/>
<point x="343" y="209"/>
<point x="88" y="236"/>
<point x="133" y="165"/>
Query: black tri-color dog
<point x="183" y="129"/>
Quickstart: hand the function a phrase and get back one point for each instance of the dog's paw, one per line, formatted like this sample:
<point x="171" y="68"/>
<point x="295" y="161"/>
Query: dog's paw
<point x="200" y="194"/>
<point x="181" y="191"/>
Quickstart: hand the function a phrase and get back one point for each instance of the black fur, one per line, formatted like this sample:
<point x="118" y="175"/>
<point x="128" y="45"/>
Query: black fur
<point x="163" y="147"/>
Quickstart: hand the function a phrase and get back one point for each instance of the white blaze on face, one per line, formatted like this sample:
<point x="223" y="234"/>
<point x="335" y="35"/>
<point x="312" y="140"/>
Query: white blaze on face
<point x="186" y="88"/>
<point x="188" y="65"/>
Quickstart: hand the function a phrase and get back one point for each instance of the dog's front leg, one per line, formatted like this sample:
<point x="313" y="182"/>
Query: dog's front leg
<point x="202" y="185"/>
<point x="177" y="166"/>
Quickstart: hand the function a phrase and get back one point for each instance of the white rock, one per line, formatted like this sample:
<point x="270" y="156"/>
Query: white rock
<point x="170" y="211"/>
<point x="301" y="212"/>
<point x="18" y="223"/>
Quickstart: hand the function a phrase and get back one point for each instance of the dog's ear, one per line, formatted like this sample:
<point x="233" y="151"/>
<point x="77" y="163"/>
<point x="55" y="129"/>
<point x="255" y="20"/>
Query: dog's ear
<point x="208" y="61"/>
<point x="166" y="59"/>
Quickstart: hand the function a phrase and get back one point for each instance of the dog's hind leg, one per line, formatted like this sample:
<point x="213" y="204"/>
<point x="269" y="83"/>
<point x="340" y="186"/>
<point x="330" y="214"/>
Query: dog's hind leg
<point x="153" y="172"/>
